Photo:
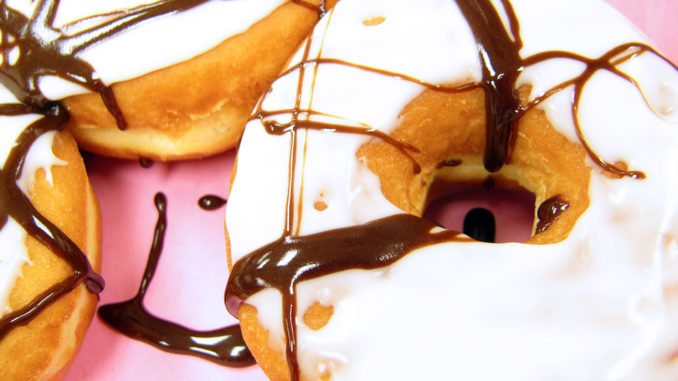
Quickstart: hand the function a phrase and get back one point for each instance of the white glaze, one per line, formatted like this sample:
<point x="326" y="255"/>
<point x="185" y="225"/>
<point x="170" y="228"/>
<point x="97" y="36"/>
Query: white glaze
<point x="139" y="50"/>
<point x="601" y="305"/>
<point x="12" y="236"/>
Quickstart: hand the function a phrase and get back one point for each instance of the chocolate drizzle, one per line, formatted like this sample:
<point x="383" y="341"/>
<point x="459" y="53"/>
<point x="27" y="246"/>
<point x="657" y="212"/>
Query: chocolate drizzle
<point x="32" y="48"/>
<point x="548" y="212"/>
<point x="211" y="202"/>
<point x="385" y="241"/>
<point x="16" y="205"/>
<point x="224" y="346"/>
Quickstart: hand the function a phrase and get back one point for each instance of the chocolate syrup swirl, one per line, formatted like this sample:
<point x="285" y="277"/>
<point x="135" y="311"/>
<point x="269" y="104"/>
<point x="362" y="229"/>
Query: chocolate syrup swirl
<point x="385" y="241"/>
<point x="46" y="50"/>
<point x="224" y="346"/>
<point x="211" y="202"/>
<point x="16" y="205"/>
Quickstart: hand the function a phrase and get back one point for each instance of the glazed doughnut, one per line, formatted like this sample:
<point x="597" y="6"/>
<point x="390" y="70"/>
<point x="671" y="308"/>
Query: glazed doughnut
<point x="187" y="94"/>
<point x="335" y="274"/>
<point x="49" y="218"/>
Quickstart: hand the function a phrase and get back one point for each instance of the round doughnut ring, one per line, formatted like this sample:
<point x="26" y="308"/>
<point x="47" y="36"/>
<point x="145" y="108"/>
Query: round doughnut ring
<point x="335" y="274"/>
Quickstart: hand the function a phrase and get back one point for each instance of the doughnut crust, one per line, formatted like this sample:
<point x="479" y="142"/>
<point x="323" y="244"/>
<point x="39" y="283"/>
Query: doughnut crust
<point x="198" y="107"/>
<point x="45" y="347"/>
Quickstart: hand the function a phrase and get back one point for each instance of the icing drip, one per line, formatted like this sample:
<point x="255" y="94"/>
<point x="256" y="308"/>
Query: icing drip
<point x="224" y="346"/>
<point x="15" y="204"/>
<point x="501" y="64"/>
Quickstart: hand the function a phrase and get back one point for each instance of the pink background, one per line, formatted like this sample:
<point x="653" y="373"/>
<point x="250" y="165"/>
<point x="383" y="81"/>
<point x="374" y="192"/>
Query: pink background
<point x="192" y="273"/>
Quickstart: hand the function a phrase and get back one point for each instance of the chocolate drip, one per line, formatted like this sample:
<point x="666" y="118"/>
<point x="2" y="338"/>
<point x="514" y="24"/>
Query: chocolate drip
<point x="224" y="346"/>
<point x="449" y="163"/>
<point x="501" y="63"/>
<point x="145" y="162"/>
<point x="479" y="224"/>
<point x="292" y="259"/>
<point x="211" y="202"/>
<point x="45" y="50"/>
<point x="548" y="212"/>
<point x="15" y="204"/>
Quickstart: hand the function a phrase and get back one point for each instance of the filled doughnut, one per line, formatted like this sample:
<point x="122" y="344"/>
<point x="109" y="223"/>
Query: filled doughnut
<point x="337" y="277"/>
<point x="50" y="238"/>
<point x="183" y="75"/>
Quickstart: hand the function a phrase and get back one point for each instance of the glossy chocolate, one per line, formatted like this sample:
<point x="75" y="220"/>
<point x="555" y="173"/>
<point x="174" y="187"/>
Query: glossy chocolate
<point x="548" y="212"/>
<point x="32" y="47"/>
<point x="224" y="346"/>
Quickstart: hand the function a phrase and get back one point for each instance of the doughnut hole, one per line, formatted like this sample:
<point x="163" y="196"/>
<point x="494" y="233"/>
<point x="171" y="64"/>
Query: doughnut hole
<point x="449" y="131"/>
<point x="457" y="206"/>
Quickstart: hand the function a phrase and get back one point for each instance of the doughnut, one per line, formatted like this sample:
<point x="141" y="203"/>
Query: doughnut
<point x="50" y="236"/>
<point x="185" y="95"/>
<point x="336" y="275"/>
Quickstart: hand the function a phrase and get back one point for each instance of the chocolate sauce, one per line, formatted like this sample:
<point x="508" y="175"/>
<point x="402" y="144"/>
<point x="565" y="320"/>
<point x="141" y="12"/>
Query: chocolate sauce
<point x="145" y="162"/>
<point x="370" y="246"/>
<point x="449" y="163"/>
<point x="548" y="212"/>
<point x="224" y="346"/>
<point x="16" y="205"/>
<point x="211" y="202"/>
<point x="479" y="224"/>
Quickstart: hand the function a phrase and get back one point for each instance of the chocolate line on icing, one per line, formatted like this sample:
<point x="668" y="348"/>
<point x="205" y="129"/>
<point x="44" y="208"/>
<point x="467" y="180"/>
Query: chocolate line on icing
<point x="330" y="252"/>
<point x="211" y="202"/>
<point x="501" y="65"/>
<point x="224" y="346"/>
<point x="16" y="205"/>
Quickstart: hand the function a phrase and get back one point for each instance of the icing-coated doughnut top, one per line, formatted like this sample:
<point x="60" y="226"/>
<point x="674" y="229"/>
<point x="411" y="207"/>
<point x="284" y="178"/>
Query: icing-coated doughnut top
<point x="601" y="304"/>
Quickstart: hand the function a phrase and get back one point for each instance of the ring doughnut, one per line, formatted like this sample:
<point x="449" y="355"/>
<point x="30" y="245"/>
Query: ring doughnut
<point x="335" y="274"/>
<point x="49" y="220"/>
<point x="162" y="102"/>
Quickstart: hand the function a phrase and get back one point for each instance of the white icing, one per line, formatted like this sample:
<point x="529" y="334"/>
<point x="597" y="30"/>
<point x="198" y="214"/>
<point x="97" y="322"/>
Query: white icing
<point x="12" y="237"/>
<point x="138" y="50"/>
<point x="601" y="305"/>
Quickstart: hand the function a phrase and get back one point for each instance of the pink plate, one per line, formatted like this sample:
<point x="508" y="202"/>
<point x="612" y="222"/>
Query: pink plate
<point x="192" y="272"/>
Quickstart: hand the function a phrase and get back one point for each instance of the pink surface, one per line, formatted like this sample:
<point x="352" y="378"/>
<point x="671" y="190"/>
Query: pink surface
<point x="192" y="273"/>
